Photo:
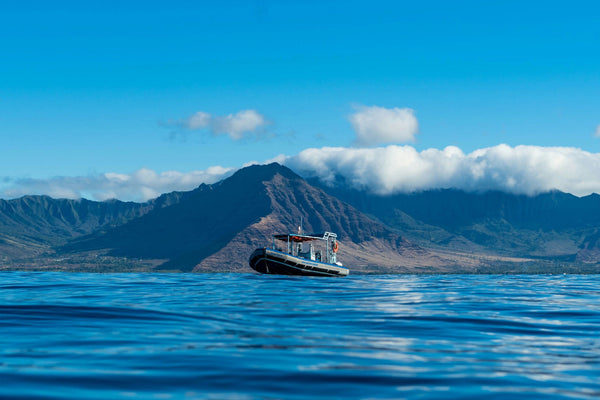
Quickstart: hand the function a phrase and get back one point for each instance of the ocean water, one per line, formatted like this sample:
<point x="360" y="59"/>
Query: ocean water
<point x="247" y="336"/>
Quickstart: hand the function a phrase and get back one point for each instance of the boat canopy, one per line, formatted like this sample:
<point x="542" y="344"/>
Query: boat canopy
<point x="305" y="238"/>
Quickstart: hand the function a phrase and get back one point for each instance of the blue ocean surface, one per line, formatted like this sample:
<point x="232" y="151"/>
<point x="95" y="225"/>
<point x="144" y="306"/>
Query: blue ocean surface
<point x="249" y="336"/>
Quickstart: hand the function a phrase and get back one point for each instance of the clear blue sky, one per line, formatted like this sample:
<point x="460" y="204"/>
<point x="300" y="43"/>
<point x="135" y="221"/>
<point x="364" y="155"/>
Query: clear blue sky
<point x="88" y="88"/>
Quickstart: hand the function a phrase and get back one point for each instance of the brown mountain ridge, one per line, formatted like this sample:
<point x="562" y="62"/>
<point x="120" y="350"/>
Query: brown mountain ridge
<point x="216" y="227"/>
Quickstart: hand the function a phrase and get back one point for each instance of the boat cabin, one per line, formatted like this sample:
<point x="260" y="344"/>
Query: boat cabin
<point x="315" y="247"/>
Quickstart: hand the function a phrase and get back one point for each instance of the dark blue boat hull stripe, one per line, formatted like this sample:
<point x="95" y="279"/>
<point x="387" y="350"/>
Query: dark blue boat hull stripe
<point x="269" y="260"/>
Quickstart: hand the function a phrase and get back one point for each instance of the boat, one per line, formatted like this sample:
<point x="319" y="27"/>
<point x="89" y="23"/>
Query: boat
<point x="299" y="254"/>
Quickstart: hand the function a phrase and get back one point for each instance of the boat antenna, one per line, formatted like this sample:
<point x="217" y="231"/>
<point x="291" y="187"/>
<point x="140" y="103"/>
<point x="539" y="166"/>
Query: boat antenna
<point x="300" y="227"/>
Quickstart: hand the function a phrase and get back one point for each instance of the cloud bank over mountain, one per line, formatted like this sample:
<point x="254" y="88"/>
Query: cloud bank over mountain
<point x="383" y="170"/>
<point x="521" y="169"/>
<point x="141" y="185"/>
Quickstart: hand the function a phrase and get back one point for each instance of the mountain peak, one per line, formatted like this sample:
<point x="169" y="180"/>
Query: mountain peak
<point x="250" y="178"/>
<point x="264" y="172"/>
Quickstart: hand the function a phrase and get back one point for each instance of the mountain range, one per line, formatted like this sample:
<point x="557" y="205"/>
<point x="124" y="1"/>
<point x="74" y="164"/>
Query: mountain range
<point x="215" y="228"/>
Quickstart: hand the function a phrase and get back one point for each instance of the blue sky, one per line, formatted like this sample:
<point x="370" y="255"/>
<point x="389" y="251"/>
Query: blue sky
<point x="90" y="89"/>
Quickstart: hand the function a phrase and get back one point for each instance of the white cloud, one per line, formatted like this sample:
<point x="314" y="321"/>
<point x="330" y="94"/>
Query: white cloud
<point x="141" y="185"/>
<point x="377" y="125"/>
<point x="597" y="134"/>
<point x="393" y="169"/>
<point x="199" y="120"/>
<point x="236" y="126"/>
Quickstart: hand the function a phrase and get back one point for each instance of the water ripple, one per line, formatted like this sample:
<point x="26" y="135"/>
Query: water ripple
<point x="246" y="336"/>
